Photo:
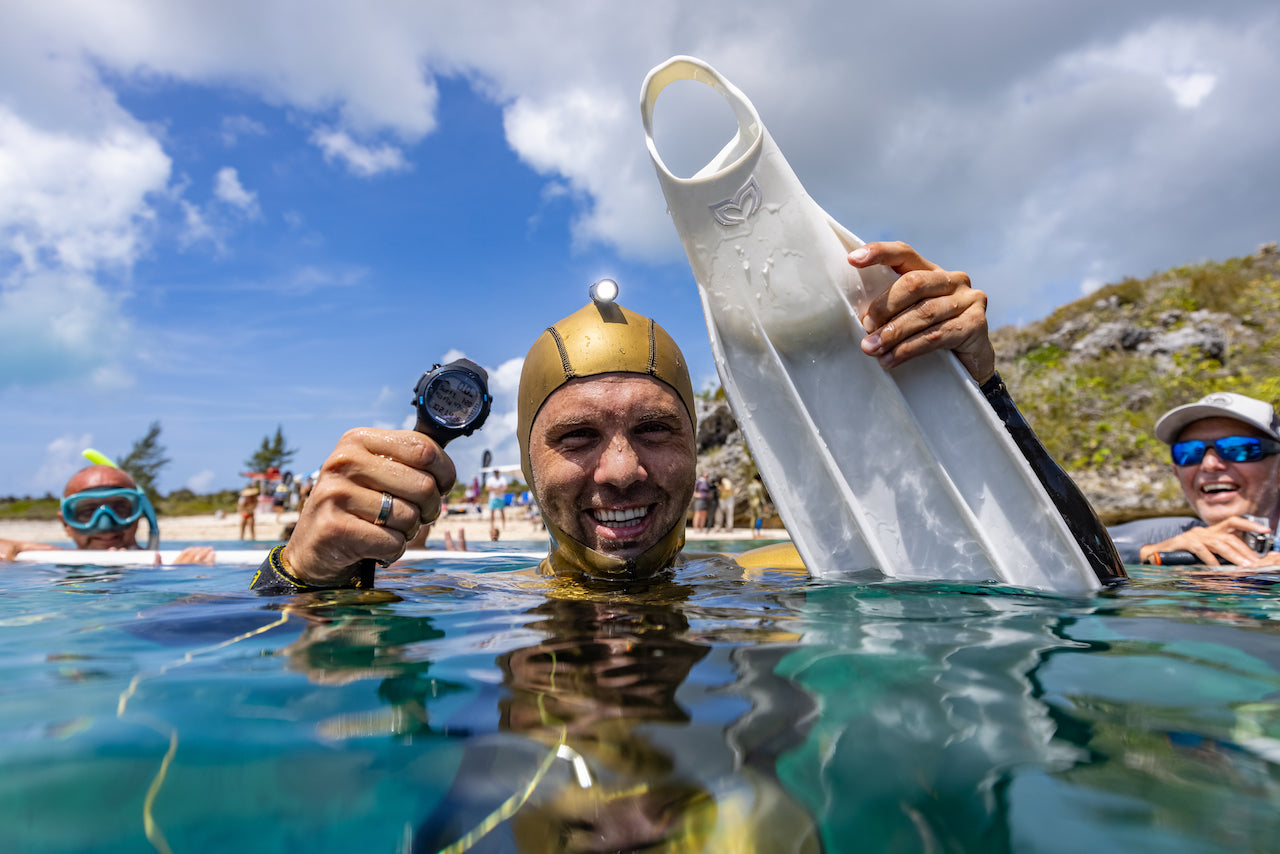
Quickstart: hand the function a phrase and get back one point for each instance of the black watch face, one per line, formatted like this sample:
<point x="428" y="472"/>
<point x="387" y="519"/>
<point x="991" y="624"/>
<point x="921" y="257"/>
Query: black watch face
<point x="454" y="398"/>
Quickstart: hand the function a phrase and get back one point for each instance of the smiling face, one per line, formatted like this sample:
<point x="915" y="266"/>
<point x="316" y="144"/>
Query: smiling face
<point x="1217" y="489"/>
<point x="612" y="457"/>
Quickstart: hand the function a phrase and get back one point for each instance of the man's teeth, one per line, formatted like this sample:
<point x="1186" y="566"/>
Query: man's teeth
<point x="1217" y="487"/>
<point x="620" y="518"/>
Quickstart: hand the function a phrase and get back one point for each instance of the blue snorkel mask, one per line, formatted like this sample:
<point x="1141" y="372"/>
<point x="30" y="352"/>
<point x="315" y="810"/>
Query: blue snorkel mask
<point x="105" y="509"/>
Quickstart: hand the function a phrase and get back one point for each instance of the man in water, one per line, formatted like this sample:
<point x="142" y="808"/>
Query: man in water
<point x="101" y="508"/>
<point x="1225" y="450"/>
<point x="606" y="433"/>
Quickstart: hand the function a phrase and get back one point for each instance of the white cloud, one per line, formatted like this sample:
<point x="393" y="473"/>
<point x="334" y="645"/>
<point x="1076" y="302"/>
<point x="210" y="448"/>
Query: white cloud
<point x="506" y="379"/>
<point x="1023" y="144"/>
<point x="307" y="279"/>
<point x="1090" y="284"/>
<point x="227" y="188"/>
<point x="363" y="160"/>
<point x="76" y="200"/>
<point x="62" y="459"/>
<point x="60" y="325"/>
<point x="201" y="482"/>
<point x="195" y="228"/>
<point x="1190" y="89"/>
<point x="235" y="128"/>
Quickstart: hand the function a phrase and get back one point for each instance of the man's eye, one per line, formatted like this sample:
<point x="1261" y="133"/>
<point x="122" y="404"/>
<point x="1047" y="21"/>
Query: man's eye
<point x="577" y="438"/>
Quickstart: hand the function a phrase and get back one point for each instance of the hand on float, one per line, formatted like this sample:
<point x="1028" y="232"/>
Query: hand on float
<point x="373" y="493"/>
<point x="202" y="555"/>
<point x="1214" y="544"/>
<point x="10" y="549"/>
<point x="926" y="309"/>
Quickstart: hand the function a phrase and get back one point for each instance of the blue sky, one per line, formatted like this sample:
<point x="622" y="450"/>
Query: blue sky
<point x="242" y="215"/>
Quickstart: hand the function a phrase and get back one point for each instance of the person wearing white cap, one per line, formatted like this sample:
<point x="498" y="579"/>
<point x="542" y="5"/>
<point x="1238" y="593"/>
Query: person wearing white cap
<point x="1225" y="450"/>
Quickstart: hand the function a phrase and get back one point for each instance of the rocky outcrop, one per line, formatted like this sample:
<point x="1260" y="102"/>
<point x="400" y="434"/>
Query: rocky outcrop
<point x="722" y="450"/>
<point x="1204" y="333"/>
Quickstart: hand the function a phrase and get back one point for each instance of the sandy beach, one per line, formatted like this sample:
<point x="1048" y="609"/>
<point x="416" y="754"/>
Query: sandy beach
<point x="212" y="529"/>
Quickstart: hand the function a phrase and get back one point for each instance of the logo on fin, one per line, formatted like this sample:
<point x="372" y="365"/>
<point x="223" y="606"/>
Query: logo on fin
<point x="741" y="207"/>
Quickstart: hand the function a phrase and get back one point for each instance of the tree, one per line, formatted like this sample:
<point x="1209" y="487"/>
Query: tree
<point x="144" y="461"/>
<point x="273" y="453"/>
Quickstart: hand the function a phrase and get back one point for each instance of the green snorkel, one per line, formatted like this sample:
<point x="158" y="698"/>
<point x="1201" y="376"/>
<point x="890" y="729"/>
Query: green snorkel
<point x="148" y="511"/>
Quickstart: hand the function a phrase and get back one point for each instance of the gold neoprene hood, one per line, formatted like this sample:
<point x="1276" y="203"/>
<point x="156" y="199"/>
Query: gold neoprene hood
<point x="600" y="338"/>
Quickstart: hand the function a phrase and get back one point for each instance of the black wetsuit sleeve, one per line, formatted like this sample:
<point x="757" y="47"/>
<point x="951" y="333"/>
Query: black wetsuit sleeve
<point x="1132" y="536"/>
<point x="273" y="579"/>
<point x="1066" y="496"/>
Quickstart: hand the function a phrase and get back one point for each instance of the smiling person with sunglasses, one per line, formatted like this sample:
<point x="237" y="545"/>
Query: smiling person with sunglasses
<point x="101" y="508"/>
<point x="1225" y="450"/>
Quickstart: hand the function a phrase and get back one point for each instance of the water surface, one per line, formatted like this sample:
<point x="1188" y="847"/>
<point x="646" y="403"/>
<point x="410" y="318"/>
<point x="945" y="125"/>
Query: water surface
<point x="481" y="706"/>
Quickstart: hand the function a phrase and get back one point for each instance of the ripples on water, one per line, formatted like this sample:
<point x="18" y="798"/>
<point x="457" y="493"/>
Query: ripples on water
<point x="150" y="709"/>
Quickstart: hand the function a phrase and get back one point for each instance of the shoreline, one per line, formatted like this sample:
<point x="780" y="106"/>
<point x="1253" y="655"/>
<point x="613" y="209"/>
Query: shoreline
<point x="210" y="529"/>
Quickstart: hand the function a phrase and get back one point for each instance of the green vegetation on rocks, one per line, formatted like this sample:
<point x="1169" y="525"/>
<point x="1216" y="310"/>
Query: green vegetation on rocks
<point x="1093" y="377"/>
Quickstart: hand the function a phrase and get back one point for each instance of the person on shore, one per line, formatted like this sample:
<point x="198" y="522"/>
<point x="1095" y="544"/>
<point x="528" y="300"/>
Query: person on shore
<point x="100" y="509"/>
<point x="713" y="504"/>
<point x="725" y="508"/>
<point x="496" y="486"/>
<point x="1225" y="451"/>
<point x="701" y="501"/>
<point x="758" y="503"/>
<point x="607" y="441"/>
<point x="247" y="506"/>
<point x="280" y="496"/>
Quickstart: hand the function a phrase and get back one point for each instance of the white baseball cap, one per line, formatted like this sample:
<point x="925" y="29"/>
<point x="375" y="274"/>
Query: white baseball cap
<point x="1220" y="404"/>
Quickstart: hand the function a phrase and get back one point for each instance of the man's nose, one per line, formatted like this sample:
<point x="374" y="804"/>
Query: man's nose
<point x="1211" y="460"/>
<point x="619" y="463"/>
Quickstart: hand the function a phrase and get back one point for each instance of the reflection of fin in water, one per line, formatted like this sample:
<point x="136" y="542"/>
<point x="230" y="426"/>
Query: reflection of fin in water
<point x="911" y="473"/>
<point x="780" y="714"/>
<point x="929" y="704"/>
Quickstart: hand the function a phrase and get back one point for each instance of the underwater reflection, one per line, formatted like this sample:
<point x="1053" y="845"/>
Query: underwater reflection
<point x="724" y="711"/>
<point x="596" y="752"/>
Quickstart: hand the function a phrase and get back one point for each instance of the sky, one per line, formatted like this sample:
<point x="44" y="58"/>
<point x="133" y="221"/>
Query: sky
<point x="232" y="217"/>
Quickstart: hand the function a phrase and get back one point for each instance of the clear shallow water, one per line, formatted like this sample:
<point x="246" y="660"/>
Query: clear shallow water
<point x="153" y="709"/>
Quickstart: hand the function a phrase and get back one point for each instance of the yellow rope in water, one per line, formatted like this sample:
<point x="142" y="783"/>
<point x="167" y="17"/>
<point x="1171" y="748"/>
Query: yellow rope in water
<point x="154" y="834"/>
<point x="507" y="809"/>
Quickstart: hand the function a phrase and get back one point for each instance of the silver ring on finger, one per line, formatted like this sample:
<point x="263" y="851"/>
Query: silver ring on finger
<point x="384" y="512"/>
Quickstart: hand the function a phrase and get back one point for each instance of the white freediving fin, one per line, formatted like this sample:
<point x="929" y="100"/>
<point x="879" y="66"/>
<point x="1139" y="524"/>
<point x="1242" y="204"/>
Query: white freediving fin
<point x="909" y="472"/>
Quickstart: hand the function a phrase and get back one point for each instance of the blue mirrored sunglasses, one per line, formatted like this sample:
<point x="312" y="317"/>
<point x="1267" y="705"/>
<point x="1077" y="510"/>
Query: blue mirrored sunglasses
<point x="1230" y="449"/>
<point x="105" y="509"/>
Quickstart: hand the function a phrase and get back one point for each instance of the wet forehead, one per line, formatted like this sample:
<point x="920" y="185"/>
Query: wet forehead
<point x="610" y="397"/>
<point x="97" y="476"/>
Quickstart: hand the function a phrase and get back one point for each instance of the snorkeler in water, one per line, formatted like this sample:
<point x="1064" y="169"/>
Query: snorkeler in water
<point x="101" y="508"/>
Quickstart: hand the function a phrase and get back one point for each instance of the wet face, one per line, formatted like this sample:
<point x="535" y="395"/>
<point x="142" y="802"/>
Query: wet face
<point x="1217" y="489"/>
<point x="95" y="477"/>
<point x="613" y="462"/>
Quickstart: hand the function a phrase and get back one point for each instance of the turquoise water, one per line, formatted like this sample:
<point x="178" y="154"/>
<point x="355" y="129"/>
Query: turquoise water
<point x="173" y="710"/>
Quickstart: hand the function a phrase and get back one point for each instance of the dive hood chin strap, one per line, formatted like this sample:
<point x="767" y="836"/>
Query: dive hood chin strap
<point x="569" y="557"/>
